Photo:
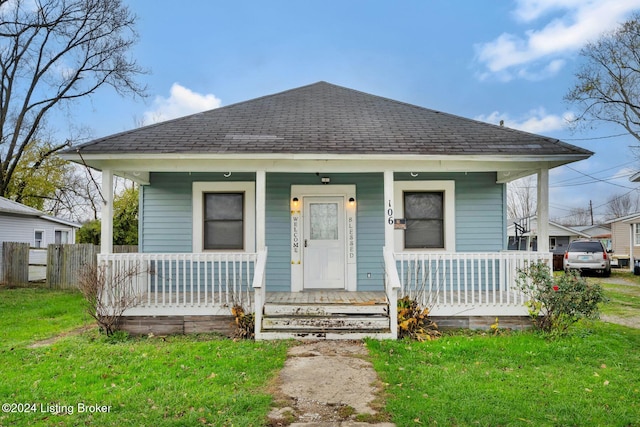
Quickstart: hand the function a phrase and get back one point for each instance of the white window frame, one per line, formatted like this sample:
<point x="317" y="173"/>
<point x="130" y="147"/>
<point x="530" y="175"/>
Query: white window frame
<point x="448" y="188"/>
<point x="636" y="234"/>
<point x="249" y="214"/>
<point x="43" y="243"/>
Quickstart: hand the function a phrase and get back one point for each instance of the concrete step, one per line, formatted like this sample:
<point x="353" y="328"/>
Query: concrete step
<point x="272" y="309"/>
<point x="324" y="335"/>
<point x="326" y="323"/>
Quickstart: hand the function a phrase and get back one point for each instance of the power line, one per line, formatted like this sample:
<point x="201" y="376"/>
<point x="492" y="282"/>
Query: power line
<point x="599" y="179"/>
<point x="603" y="170"/>
<point x="596" y="137"/>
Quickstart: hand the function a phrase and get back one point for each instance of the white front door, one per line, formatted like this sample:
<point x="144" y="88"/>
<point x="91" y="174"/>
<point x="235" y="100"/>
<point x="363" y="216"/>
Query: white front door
<point x="324" y="244"/>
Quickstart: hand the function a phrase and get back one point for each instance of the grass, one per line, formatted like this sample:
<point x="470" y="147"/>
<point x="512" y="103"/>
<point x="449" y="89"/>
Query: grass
<point x="589" y="378"/>
<point x="624" y="300"/>
<point x="35" y="313"/>
<point x="172" y="381"/>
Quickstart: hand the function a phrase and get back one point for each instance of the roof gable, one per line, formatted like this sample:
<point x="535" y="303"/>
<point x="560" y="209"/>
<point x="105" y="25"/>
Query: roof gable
<point x="328" y="119"/>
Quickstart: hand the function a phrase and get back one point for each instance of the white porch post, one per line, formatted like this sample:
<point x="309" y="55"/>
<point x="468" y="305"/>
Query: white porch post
<point x="106" y="231"/>
<point x="261" y="207"/>
<point x="543" y="210"/>
<point x="389" y="211"/>
<point x="631" y="244"/>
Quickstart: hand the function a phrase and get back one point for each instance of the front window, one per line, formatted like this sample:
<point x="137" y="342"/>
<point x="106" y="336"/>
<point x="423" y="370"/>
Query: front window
<point x="223" y="221"/>
<point x="636" y="234"/>
<point x="224" y="216"/>
<point x="424" y="214"/>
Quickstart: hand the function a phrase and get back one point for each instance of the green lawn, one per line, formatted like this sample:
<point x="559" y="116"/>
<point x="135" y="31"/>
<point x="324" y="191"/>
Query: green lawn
<point x="28" y="314"/>
<point x="624" y="299"/>
<point x="173" y="381"/>
<point x="591" y="378"/>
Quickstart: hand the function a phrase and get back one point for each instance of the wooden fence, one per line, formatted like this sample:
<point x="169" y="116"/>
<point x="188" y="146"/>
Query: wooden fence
<point x="15" y="263"/>
<point x="64" y="263"/>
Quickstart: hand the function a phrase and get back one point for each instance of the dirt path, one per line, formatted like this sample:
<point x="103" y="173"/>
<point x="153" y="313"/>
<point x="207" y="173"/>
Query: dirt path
<point x="52" y="340"/>
<point x="328" y="383"/>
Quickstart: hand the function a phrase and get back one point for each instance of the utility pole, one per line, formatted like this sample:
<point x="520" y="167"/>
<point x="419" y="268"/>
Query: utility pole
<point x="591" y="210"/>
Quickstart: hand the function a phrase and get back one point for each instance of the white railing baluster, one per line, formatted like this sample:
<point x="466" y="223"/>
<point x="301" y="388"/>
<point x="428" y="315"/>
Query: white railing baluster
<point x="182" y="281"/>
<point x="469" y="280"/>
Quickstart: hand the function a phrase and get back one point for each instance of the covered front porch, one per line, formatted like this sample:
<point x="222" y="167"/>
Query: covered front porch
<point x="187" y="287"/>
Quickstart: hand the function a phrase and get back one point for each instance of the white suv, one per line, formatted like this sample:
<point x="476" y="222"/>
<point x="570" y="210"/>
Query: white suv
<point x="587" y="255"/>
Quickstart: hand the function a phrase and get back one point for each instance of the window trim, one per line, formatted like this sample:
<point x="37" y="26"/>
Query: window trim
<point x="62" y="230"/>
<point x="449" y="214"/>
<point x="249" y="214"/>
<point x="636" y="234"/>
<point x="43" y="242"/>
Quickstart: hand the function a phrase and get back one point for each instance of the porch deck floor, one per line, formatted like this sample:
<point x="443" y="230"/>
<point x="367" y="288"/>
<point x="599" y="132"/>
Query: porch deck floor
<point x="326" y="297"/>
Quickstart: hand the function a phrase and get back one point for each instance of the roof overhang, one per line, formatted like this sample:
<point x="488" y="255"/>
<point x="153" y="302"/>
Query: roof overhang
<point x="138" y="166"/>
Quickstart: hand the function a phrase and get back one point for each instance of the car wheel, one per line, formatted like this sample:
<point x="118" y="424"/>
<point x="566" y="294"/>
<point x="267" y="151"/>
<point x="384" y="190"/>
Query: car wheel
<point x="607" y="273"/>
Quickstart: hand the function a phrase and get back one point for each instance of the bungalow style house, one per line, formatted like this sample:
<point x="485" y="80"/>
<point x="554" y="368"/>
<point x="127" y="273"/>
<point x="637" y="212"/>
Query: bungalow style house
<point x="317" y="208"/>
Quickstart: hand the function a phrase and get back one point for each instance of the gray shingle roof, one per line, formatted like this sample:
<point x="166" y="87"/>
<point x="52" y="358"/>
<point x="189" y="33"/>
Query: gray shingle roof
<point x="328" y="119"/>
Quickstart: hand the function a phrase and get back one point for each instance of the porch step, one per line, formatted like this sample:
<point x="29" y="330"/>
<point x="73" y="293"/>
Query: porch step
<point x="328" y="323"/>
<point x="324" y="309"/>
<point x="325" y="315"/>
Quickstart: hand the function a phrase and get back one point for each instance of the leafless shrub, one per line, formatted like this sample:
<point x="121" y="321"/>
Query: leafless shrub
<point x="108" y="293"/>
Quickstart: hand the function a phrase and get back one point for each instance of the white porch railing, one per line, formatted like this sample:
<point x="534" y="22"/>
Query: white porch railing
<point x="184" y="283"/>
<point x="469" y="284"/>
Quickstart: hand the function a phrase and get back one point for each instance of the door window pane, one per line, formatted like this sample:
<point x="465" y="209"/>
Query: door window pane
<point x="324" y="221"/>
<point x="424" y="212"/>
<point x="224" y="221"/>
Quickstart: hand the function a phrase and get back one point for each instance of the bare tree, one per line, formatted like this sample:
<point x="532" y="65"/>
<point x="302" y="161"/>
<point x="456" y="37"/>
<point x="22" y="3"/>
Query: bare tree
<point x="608" y="84"/>
<point x="576" y="216"/>
<point x="619" y="205"/>
<point x="53" y="52"/>
<point x="521" y="198"/>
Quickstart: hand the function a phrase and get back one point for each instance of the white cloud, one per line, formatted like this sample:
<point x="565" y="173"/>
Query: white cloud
<point x="569" y="25"/>
<point x="181" y="102"/>
<point x="535" y="121"/>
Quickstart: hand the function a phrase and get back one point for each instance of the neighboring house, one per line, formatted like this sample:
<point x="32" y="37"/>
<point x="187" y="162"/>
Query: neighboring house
<point x="601" y="232"/>
<point x="20" y="223"/>
<point x="527" y="240"/>
<point x="317" y="207"/>
<point x="625" y="239"/>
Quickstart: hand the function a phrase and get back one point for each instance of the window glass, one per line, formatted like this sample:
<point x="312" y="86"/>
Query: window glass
<point x="637" y="234"/>
<point x="223" y="220"/>
<point x="324" y="221"/>
<point x="424" y="214"/>
<point x="38" y="237"/>
<point x="61" y="237"/>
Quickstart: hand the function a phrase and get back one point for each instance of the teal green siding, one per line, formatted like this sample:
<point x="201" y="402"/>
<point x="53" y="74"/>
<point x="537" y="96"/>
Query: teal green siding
<point x="166" y="217"/>
<point x="480" y="209"/>
<point x="369" y="232"/>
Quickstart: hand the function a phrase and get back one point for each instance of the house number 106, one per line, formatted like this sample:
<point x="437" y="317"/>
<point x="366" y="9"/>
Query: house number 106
<point x="390" y="215"/>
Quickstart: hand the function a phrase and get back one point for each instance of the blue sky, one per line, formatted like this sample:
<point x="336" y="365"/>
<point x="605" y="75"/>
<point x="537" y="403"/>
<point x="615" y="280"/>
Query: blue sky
<point x="489" y="60"/>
